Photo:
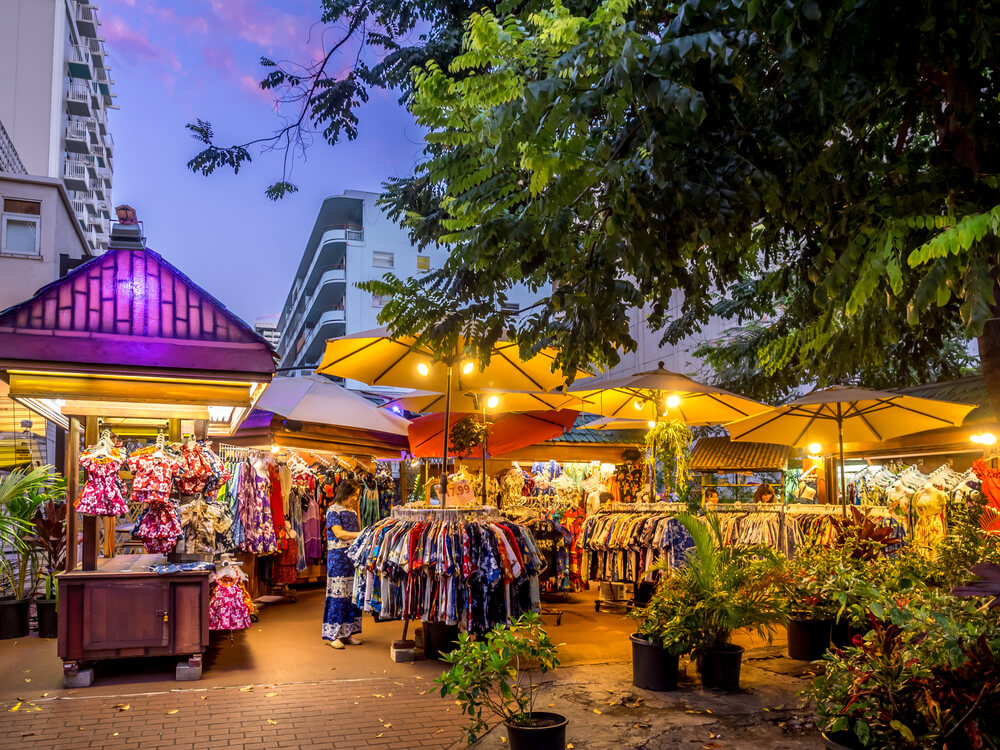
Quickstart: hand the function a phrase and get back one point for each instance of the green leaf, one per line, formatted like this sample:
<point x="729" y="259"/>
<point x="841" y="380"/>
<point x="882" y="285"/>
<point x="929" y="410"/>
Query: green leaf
<point x="903" y="730"/>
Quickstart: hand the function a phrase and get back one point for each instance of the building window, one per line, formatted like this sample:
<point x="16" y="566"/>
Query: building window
<point x="377" y="300"/>
<point x="19" y="232"/>
<point x="511" y="308"/>
<point x="383" y="260"/>
<point x="423" y="263"/>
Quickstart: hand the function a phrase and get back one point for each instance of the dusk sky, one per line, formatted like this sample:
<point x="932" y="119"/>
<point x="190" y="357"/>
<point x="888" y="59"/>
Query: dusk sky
<point x="176" y="60"/>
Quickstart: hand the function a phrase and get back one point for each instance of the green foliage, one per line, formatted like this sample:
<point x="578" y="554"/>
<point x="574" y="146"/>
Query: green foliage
<point x="495" y="674"/>
<point x="21" y="495"/>
<point x="49" y="537"/>
<point x="468" y="434"/>
<point x="669" y="444"/>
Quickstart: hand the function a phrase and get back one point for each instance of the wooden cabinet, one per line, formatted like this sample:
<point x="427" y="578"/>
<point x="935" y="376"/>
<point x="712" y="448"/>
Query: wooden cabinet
<point x="123" y="609"/>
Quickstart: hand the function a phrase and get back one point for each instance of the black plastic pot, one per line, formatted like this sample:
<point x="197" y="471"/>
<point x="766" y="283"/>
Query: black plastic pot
<point x="439" y="638"/>
<point x="653" y="668"/>
<point x="842" y="741"/>
<point x="550" y="736"/>
<point x="720" y="667"/>
<point x="808" y="639"/>
<point x="842" y="634"/>
<point x="14" y="618"/>
<point x="48" y="620"/>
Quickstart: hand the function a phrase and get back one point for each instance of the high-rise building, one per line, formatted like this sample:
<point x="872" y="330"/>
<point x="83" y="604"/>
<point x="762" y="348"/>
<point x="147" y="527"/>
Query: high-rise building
<point x="266" y="327"/>
<point x="55" y="94"/>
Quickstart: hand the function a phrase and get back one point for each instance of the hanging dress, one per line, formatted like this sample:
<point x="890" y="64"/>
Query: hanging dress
<point x="341" y="616"/>
<point x="102" y="495"/>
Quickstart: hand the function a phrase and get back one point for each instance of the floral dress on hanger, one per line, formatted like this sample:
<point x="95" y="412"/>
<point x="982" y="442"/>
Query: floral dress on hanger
<point x="102" y="495"/>
<point x="341" y="616"/>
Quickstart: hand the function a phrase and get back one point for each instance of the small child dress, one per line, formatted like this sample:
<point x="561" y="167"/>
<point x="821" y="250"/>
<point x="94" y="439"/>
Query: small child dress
<point x="102" y="495"/>
<point x="227" y="607"/>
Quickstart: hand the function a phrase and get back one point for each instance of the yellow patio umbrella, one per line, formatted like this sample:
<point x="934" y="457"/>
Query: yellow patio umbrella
<point x="377" y="358"/>
<point x="497" y="401"/>
<point x="655" y="394"/>
<point x="843" y="413"/>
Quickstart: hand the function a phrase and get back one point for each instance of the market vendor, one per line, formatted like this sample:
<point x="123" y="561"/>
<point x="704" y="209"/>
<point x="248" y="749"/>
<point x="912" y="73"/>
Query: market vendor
<point x="764" y="494"/>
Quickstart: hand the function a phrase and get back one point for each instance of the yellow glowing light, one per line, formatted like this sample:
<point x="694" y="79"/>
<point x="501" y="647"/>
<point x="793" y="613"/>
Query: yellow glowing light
<point x="987" y="438"/>
<point x="274" y="448"/>
<point x="673" y="401"/>
<point x="814" y="449"/>
<point x="638" y="404"/>
<point x="467" y="368"/>
<point x="492" y="402"/>
<point x="423" y="369"/>
<point x="651" y="424"/>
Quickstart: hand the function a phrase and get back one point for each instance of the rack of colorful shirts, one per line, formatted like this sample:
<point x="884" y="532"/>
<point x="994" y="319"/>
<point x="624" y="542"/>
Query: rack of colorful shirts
<point x="458" y="566"/>
<point x="558" y="531"/>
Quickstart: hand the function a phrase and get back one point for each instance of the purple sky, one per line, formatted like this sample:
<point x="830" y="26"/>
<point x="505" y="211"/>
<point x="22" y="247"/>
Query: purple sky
<point x="175" y="60"/>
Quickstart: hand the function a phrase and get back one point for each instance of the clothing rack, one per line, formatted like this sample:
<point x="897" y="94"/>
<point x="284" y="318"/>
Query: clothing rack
<point x="236" y="452"/>
<point x="644" y="508"/>
<point x="450" y="515"/>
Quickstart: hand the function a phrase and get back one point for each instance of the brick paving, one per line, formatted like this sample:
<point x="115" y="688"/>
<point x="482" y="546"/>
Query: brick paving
<point x="370" y="713"/>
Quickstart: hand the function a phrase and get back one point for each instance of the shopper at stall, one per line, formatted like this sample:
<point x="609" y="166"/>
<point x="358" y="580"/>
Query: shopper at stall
<point x="764" y="494"/>
<point x="341" y="616"/>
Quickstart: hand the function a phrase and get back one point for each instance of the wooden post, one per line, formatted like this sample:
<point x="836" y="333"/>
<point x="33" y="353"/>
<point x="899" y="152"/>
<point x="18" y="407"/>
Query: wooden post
<point x="72" y="490"/>
<point x="90" y="522"/>
<point x="174" y="430"/>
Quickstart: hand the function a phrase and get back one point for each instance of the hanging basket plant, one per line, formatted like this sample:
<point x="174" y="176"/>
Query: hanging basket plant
<point x="468" y="434"/>
<point x="669" y="444"/>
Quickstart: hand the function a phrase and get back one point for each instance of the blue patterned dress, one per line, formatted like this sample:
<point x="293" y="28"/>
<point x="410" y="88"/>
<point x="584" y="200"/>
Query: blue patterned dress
<point x="341" y="616"/>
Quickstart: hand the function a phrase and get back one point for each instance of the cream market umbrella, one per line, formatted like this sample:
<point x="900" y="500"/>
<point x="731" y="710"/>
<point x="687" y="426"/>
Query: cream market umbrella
<point x="842" y="413"/>
<point x="379" y="359"/>
<point x="653" y="395"/>
<point x="610" y="423"/>
<point x="313" y="398"/>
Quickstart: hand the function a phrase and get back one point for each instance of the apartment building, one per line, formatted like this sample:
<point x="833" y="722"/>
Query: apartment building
<point x="55" y="95"/>
<point x="266" y="327"/>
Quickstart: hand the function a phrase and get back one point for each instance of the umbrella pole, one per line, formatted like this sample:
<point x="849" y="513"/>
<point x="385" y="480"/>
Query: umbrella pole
<point x="444" y="452"/>
<point x="843" y="476"/>
<point x="486" y="436"/>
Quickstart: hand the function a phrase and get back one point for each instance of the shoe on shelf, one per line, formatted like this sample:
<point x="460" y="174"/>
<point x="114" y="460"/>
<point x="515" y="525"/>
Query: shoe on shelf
<point x="352" y="641"/>
<point x="337" y="643"/>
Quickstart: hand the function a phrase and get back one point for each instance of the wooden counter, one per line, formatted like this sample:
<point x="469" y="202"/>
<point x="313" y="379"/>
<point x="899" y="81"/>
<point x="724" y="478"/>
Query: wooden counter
<point x="123" y="609"/>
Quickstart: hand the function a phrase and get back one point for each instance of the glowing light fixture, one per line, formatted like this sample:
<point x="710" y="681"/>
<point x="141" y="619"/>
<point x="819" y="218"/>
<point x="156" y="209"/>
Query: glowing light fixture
<point x="638" y="404"/>
<point x="492" y="402"/>
<point x="467" y="367"/>
<point x="274" y="448"/>
<point x="987" y="438"/>
<point x="423" y="369"/>
<point x="651" y="424"/>
<point x="673" y="401"/>
<point x="814" y="449"/>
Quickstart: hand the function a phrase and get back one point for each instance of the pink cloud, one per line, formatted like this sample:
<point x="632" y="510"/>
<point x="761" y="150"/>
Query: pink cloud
<point x="265" y="27"/>
<point x="133" y="44"/>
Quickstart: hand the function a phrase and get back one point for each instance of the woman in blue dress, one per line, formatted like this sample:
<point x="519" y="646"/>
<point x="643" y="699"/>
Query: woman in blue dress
<point x="341" y="616"/>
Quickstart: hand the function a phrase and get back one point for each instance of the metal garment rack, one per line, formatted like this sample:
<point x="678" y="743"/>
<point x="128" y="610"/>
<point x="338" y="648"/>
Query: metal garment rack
<point x="451" y="515"/>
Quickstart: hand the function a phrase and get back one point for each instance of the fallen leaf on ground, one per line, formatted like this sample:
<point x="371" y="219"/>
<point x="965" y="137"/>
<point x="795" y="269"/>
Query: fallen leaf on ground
<point x="552" y="705"/>
<point x="271" y="721"/>
<point x="503" y="740"/>
<point x="597" y="711"/>
<point x="380" y="734"/>
<point x="708" y="710"/>
<point x="45" y="695"/>
<point x="173" y="711"/>
<point x="122" y="706"/>
<point x="27" y="679"/>
<point x="269" y="695"/>
<point x="712" y="746"/>
<point x="204" y="697"/>
<point x="115" y="734"/>
<point x="387" y="725"/>
<point x="569" y="746"/>
<point x="421" y="692"/>
<point x="17" y="707"/>
<point x="398" y="683"/>
<point x="692" y="712"/>
<point x="378" y="695"/>
<point x="246" y="689"/>
<point x="439" y="731"/>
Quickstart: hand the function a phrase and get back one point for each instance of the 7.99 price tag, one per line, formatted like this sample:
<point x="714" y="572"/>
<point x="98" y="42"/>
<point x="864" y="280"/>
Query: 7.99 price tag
<point x="460" y="493"/>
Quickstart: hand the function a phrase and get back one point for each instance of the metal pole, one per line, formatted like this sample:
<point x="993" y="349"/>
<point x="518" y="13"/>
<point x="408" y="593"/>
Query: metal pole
<point x="72" y="491"/>
<point x="843" y="477"/>
<point x="444" y="452"/>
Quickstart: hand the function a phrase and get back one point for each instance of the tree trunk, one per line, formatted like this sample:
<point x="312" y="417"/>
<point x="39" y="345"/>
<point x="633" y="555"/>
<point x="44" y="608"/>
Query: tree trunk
<point x="989" y="358"/>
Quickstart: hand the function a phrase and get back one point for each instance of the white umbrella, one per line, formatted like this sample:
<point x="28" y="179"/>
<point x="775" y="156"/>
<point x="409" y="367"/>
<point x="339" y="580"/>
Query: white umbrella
<point x="313" y="398"/>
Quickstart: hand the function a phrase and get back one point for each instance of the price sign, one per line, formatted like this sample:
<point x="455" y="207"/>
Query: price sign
<point x="460" y="493"/>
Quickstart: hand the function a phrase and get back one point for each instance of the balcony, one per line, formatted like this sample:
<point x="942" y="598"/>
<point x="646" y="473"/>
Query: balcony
<point x="78" y="98"/>
<point x="97" y="53"/>
<point x="77" y="141"/>
<point x="329" y="325"/>
<point x="79" y="207"/>
<point x="86" y="19"/>
<point x="343" y="232"/>
<point x="109" y="143"/>
<point x="78" y="60"/>
<point x="75" y="175"/>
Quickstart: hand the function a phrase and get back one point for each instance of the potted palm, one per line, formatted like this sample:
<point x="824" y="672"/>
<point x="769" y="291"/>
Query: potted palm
<point x="19" y="499"/>
<point x="495" y="675"/>
<point x="662" y="635"/>
<point x="50" y="540"/>
<point x="722" y="589"/>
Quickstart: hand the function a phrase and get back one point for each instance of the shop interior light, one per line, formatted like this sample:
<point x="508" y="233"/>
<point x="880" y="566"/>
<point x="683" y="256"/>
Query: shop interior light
<point x="987" y="438"/>
<point x="423" y="369"/>
<point x="651" y="424"/>
<point x="274" y="448"/>
<point x="492" y="402"/>
<point x="467" y="368"/>
<point x="814" y="449"/>
<point x="638" y="404"/>
<point x="673" y="401"/>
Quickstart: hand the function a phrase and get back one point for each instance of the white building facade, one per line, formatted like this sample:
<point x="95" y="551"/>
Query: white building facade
<point x="55" y="94"/>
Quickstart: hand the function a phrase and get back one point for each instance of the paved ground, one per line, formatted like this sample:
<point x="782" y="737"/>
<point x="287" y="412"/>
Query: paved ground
<point x="277" y="685"/>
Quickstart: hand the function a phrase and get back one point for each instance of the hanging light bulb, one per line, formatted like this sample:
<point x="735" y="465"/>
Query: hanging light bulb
<point x="651" y="424"/>
<point x="638" y="404"/>
<point x="814" y="449"/>
<point x="467" y="367"/>
<point x="274" y="448"/>
<point x="423" y="369"/>
<point x="493" y="402"/>
<point x="673" y="401"/>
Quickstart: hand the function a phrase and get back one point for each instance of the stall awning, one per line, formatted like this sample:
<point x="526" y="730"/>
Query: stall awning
<point x="720" y="454"/>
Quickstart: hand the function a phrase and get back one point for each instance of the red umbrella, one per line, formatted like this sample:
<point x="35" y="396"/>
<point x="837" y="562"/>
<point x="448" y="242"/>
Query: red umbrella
<point x="510" y="431"/>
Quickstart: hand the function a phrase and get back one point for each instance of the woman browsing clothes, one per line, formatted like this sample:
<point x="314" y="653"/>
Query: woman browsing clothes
<point x="341" y="616"/>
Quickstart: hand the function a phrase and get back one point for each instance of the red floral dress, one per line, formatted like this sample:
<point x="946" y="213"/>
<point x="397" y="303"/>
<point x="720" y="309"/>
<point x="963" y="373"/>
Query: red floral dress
<point x="102" y="495"/>
<point x="227" y="605"/>
<point x="197" y="470"/>
<point x="153" y="480"/>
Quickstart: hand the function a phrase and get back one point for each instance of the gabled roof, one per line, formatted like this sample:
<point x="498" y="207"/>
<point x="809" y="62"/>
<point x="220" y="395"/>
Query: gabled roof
<point x="598" y="437"/>
<point x="970" y="390"/>
<point x="128" y="310"/>
<point x="720" y="454"/>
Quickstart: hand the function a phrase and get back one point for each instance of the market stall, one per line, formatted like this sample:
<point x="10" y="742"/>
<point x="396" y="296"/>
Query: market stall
<point x="126" y="341"/>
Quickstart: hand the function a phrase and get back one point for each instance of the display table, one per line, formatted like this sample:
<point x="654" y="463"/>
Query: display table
<point x="123" y="609"/>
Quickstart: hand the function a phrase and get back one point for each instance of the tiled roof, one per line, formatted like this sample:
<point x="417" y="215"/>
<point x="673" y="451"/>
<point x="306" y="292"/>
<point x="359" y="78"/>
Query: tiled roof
<point x="599" y="437"/>
<point x="971" y="390"/>
<point x="721" y="454"/>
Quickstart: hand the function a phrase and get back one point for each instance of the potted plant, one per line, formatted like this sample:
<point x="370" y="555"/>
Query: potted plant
<point x="721" y="589"/>
<point x="19" y="499"/>
<point x="495" y="675"/>
<point x="50" y="540"/>
<point x="811" y="606"/>
<point x="662" y="636"/>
